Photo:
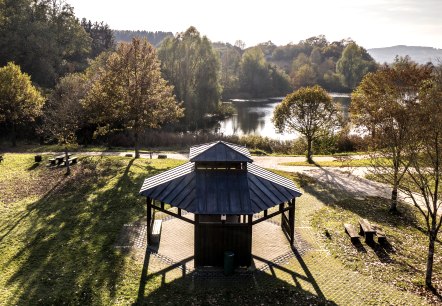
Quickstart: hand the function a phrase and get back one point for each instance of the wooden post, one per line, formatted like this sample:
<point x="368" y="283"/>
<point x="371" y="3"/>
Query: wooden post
<point x="281" y="207"/>
<point x="250" y="226"/>
<point x="196" y="241"/>
<point x="149" y="218"/>
<point x="292" y="221"/>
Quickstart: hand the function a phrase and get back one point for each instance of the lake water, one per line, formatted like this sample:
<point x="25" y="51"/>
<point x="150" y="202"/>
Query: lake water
<point x="254" y="117"/>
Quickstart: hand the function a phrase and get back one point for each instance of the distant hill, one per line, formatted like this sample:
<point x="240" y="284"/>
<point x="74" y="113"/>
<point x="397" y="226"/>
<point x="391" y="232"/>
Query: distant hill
<point x="155" y="38"/>
<point x="420" y="55"/>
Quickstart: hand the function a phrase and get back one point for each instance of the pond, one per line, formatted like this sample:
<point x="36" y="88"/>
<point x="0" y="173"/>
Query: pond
<point x="254" y="117"/>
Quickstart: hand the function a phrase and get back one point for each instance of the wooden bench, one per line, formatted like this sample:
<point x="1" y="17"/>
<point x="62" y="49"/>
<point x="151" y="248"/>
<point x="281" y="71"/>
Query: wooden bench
<point x="382" y="238"/>
<point x="1" y="158"/>
<point x="73" y="160"/>
<point x="162" y="156"/>
<point x="351" y="231"/>
<point x="58" y="160"/>
<point x="366" y="230"/>
<point x="156" y="231"/>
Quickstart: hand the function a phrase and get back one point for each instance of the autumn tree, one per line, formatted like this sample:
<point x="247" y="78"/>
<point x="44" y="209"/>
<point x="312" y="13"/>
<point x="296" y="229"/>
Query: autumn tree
<point x="382" y="105"/>
<point x="128" y="91"/>
<point x="308" y="111"/>
<point x="190" y="64"/>
<point x="63" y="112"/>
<point x="424" y="156"/>
<point x="20" y="102"/>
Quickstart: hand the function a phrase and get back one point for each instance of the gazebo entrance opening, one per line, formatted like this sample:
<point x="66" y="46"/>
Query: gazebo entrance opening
<point x="213" y="237"/>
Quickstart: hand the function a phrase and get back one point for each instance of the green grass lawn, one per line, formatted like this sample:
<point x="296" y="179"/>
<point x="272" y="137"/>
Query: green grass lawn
<point x="58" y="235"/>
<point x="57" y="232"/>
<point x="401" y="262"/>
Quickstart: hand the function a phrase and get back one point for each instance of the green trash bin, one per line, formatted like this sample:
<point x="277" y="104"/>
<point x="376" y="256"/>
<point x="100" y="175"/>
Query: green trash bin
<point x="229" y="260"/>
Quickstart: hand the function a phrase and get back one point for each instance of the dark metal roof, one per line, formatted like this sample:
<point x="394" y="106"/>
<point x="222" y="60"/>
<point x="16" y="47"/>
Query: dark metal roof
<point x="220" y="191"/>
<point x="219" y="151"/>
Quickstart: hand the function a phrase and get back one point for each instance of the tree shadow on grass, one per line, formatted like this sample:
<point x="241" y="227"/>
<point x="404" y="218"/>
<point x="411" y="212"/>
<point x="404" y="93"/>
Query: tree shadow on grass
<point x="67" y="256"/>
<point x="212" y="287"/>
<point x="373" y="208"/>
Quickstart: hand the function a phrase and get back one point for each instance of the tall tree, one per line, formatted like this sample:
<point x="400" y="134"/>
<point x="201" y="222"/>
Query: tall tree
<point x="383" y="105"/>
<point x="192" y="66"/>
<point x="64" y="113"/>
<point x="43" y="37"/>
<point x="101" y="35"/>
<point x="20" y="101"/>
<point x="130" y="92"/>
<point x="253" y="76"/>
<point x="424" y="185"/>
<point x="308" y="111"/>
<point x="354" y="63"/>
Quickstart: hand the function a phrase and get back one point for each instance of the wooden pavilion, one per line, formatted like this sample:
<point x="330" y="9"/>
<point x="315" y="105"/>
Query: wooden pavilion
<point x="224" y="190"/>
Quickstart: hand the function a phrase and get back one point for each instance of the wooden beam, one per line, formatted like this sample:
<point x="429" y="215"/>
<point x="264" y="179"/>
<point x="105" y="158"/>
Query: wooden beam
<point x="292" y="223"/>
<point x="173" y="214"/>
<point x="270" y="215"/>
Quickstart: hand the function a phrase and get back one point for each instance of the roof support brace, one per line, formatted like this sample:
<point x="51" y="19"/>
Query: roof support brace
<point x="280" y="211"/>
<point x="176" y="215"/>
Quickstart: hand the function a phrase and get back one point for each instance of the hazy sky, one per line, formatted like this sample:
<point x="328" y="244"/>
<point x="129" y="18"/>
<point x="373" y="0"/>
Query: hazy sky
<point x="371" y="23"/>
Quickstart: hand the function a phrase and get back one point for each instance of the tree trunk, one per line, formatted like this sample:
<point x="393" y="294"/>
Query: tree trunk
<point x="137" y="148"/>
<point x="13" y="136"/>
<point x="393" y="205"/>
<point x="430" y="260"/>
<point x="68" y="167"/>
<point x="309" y="151"/>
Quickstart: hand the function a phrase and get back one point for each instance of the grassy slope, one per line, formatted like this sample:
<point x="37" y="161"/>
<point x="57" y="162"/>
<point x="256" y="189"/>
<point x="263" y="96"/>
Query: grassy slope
<point x="402" y="262"/>
<point x="57" y="233"/>
<point x="57" y="236"/>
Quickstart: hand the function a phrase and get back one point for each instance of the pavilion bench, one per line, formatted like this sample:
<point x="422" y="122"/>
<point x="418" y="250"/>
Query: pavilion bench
<point x="156" y="231"/>
<point x="366" y="230"/>
<point x="351" y="231"/>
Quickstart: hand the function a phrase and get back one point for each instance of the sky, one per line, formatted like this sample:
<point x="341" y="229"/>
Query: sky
<point x="371" y="23"/>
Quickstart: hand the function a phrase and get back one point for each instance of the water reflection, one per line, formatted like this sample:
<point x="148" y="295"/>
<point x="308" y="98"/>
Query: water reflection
<point x="254" y="117"/>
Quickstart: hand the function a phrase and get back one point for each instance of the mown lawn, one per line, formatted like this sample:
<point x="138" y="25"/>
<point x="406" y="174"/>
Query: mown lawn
<point x="401" y="262"/>
<point x="57" y="232"/>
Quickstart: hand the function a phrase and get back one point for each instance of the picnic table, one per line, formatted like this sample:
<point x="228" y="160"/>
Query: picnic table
<point x="366" y="230"/>
<point x="351" y="231"/>
<point x="61" y="159"/>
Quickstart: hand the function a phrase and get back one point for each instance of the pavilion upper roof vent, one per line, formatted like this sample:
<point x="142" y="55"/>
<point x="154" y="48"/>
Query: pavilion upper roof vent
<point x="219" y="152"/>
